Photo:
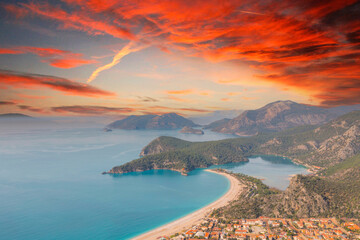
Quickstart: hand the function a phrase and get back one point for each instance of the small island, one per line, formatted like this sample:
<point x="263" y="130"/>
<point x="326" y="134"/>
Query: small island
<point x="190" y="130"/>
<point x="166" y="121"/>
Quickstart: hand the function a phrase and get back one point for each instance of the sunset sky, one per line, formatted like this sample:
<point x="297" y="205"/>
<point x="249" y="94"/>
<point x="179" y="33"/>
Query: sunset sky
<point x="90" y="57"/>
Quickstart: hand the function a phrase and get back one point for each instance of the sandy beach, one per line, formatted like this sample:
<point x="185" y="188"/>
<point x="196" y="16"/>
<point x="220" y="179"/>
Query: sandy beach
<point x="196" y="217"/>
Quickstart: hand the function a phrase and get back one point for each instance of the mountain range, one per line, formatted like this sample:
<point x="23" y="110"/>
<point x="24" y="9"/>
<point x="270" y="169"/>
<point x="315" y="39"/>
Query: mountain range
<point x="273" y="117"/>
<point x="278" y="116"/>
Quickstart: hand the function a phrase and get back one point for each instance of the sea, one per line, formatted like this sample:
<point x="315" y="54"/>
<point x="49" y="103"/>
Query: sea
<point x="51" y="186"/>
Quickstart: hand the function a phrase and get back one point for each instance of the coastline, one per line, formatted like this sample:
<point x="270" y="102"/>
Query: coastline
<point x="196" y="217"/>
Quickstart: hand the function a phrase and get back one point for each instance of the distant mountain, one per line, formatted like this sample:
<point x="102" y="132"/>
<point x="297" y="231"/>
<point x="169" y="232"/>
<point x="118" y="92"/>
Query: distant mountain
<point x="14" y="115"/>
<point x="217" y="123"/>
<point x="215" y="116"/>
<point x="275" y="117"/>
<point x="21" y="121"/>
<point x="165" y="121"/>
<point x="341" y="110"/>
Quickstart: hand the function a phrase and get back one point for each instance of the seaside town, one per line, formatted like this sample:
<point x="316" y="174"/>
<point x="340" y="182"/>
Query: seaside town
<point x="271" y="228"/>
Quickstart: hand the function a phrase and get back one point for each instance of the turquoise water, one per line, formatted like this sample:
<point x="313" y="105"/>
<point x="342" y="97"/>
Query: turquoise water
<point x="275" y="171"/>
<point x="51" y="186"/>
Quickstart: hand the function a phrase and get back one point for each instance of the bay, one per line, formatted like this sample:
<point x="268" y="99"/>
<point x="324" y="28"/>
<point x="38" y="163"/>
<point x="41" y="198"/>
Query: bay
<point x="51" y="185"/>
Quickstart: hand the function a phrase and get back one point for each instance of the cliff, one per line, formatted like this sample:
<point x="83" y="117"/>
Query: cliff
<point x="322" y="146"/>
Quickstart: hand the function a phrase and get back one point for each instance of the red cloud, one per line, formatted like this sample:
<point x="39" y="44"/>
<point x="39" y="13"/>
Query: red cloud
<point x="9" y="51"/>
<point x="313" y="46"/>
<point x="78" y="19"/>
<point x="55" y="57"/>
<point x="33" y="96"/>
<point x="23" y="80"/>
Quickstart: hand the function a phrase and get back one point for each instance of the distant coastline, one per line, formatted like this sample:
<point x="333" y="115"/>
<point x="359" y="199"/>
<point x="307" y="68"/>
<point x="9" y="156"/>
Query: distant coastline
<point x="191" y="219"/>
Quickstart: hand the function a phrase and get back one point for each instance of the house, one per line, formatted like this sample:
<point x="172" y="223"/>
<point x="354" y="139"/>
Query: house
<point x="190" y="233"/>
<point x="200" y="234"/>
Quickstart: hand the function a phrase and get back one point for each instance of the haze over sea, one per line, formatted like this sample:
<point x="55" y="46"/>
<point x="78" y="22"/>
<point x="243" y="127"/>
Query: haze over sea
<point x="51" y="185"/>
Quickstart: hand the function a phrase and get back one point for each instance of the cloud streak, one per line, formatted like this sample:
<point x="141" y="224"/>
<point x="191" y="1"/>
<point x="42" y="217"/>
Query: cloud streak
<point x="66" y="86"/>
<point x="53" y="56"/>
<point x="91" y="110"/>
<point x="2" y="103"/>
<point x="129" y="48"/>
<point x="32" y="109"/>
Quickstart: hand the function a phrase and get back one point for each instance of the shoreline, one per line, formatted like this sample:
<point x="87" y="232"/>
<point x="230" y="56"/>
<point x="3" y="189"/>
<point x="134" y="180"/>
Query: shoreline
<point x="196" y="217"/>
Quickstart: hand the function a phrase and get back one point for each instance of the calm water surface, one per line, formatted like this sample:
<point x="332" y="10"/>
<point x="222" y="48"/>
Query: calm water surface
<point x="51" y="186"/>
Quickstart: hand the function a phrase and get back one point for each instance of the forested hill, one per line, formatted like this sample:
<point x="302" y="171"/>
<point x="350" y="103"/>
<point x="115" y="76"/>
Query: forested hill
<point x="175" y="154"/>
<point x="314" y="146"/>
<point x="335" y="193"/>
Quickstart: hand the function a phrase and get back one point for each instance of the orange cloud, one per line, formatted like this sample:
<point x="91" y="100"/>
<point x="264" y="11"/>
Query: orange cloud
<point x="91" y="110"/>
<point x="9" y="51"/>
<point x="177" y="99"/>
<point x="55" y="57"/>
<point x="96" y="110"/>
<point x="33" y="96"/>
<point x="295" y="44"/>
<point x="234" y="93"/>
<point x="178" y="110"/>
<point x="25" y="80"/>
<point x="76" y="20"/>
<point x="180" y="92"/>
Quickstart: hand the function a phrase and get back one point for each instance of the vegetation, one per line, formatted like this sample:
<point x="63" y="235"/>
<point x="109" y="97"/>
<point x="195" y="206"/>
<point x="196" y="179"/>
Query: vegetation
<point x="322" y="146"/>
<point x="336" y="193"/>
<point x="334" y="146"/>
<point x="250" y="202"/>
<point x="186" y="158"/>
